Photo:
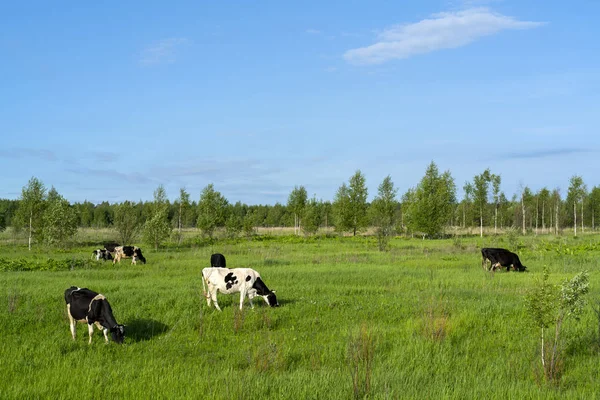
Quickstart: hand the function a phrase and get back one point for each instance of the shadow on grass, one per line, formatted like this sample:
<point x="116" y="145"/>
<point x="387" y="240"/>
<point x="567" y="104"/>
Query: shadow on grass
<point x="144" y="329"/>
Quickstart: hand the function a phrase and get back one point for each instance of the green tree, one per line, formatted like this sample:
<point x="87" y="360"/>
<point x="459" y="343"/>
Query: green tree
<point x="575" y="195"/>
<point x="466" y="203"/>
<point x="126" y="222"/>
<point x="313" y="216"/>
<point x="341" y="209"/>
<point x="157" y="227"/>
<point x="296" y="204"/>
<point x="481" y="184"/>
<point x="432" y="203"/>
<point x="59" y="220"/>
<point x="383" y="211"/>
<point x="594" y="204"/>
<point x="543" y="199"/>
<point x="31" y="208"/>
<point x="549" y="305"/>
<point x="212" y="210"/>
<point x="496" y="181"/>
<point x="183" y="208"/>
<point x="350" y="205"/>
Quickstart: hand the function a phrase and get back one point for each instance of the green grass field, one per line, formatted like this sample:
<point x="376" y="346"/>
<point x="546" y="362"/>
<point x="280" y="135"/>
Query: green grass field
<point x="420" y="321"/>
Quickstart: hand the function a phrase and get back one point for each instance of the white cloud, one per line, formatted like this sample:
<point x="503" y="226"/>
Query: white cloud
<point x="444" y="30"/>
<point x="162" y="52"/>
<point x="313" y="31"/>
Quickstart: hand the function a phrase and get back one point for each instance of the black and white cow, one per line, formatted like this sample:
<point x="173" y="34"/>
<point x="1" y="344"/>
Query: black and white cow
<point x="217" y="260"/>
<point x="86" y="306"/>
<point x="500" y="258"/>
<point x="102" y="254"/>
<point x="245" y="281"/>
<point x="133" y="252"/>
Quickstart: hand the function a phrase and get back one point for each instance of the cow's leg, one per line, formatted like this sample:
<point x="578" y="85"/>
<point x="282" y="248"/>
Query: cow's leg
<point x="103" y="329"/>
<point x="242" y="296"/>
<point x="90" y="332"/>
<point x="72" y="322"/>
<point x="213" y="295"/>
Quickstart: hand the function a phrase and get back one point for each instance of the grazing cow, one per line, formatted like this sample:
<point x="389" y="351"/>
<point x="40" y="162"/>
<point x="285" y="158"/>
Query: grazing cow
<point x="110" y="246"/>
<point x="86" y="306"/>
<point x="217" y="260"/>
<point x="500" y="258"/>
<point x="101" y="254"/>
<point x="133" y="252"/>
<point x="246" y="281"/>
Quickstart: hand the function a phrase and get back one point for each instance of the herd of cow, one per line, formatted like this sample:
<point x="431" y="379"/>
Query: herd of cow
<point x="87" y="306"/>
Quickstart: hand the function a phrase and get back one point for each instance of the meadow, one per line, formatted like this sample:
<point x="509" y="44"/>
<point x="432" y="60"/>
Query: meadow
<point x="422" y="320"/>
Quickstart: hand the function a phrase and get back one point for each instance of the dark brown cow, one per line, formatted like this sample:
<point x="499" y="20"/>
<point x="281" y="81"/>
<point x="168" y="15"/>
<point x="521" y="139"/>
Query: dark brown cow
<point x="500" y="258"/>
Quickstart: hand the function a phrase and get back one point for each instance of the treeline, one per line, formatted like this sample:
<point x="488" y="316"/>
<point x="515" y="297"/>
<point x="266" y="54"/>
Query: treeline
<point x="430" y="209"/>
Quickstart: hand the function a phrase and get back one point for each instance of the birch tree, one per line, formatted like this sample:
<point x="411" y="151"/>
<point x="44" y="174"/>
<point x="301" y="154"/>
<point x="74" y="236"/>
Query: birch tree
<point x="31" y="207"/>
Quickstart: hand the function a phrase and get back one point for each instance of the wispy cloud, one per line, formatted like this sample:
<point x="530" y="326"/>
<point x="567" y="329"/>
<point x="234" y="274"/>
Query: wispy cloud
<point x="311" y="31"/>
<point x="21" y="152"/>
<point x="133" y="177"/>
<point x="547" y="153"/>
<point x="162" y="52"/>
<point x="444" y="30"/>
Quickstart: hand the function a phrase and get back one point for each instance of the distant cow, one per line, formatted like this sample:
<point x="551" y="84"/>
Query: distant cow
<point x="101" y="254"/>
<point x="86" y="306"/>
<point x="110" y="246"/>
<point x="245" y="281"/>
<point x="500" y="258"/>
<point x="217" y="260"/>
<point x="133" y="252"/>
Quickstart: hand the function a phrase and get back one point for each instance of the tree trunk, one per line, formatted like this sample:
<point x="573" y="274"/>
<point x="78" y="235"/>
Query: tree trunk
<point x="575" y="218"/>
<point x="30" y="227"/>
<point x="556" y="219"/>
<point x="495" y="219"/>
<point x="537" y="214"/>
<point x="179" y="221"/>
<point x="543" y="222"/>
<point x="582" y="229"/>
<point x="481" y="222"/>
<point x="523" y="211"/>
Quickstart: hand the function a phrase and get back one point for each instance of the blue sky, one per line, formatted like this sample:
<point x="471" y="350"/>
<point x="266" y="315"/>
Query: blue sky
<point x="108" y="101"/>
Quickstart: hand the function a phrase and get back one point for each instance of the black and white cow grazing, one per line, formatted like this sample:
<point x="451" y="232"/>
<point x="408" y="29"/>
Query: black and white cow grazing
<point x="245" y="281"/>
<point x="101" y="254"/>
<point x="217" y="260"/>
<point x="500" y="258"/>
<point x="133" y="252"/>
<point x="86" y="306"/>
<point x="110" y="246"/>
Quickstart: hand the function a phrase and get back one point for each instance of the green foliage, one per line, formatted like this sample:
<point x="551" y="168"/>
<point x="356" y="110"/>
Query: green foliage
<point x="313" y="216"/>
<point x="350" y="205"/>
<point x="31" y="208"/>
<point x="431" y="204"/>
<point x="383" y="212"/>
<point x="126" y="222"/>
<point x="59" y="221"/>
<point x="297" y="202"/>
<point x="157" y="227"/>
<point x="212" y="210"/>
<point x="233" y="226"/>
<point x="549" y="305"/>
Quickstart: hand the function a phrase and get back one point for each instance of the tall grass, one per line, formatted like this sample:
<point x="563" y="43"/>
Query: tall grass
<point x="422" y="320"/>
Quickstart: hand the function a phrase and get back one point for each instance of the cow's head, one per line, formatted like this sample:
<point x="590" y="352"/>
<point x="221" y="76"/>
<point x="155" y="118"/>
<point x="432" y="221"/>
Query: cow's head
<point x="117" y="333"/>
<point x="271" y="299"/>
<point x="137" y="255"/>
